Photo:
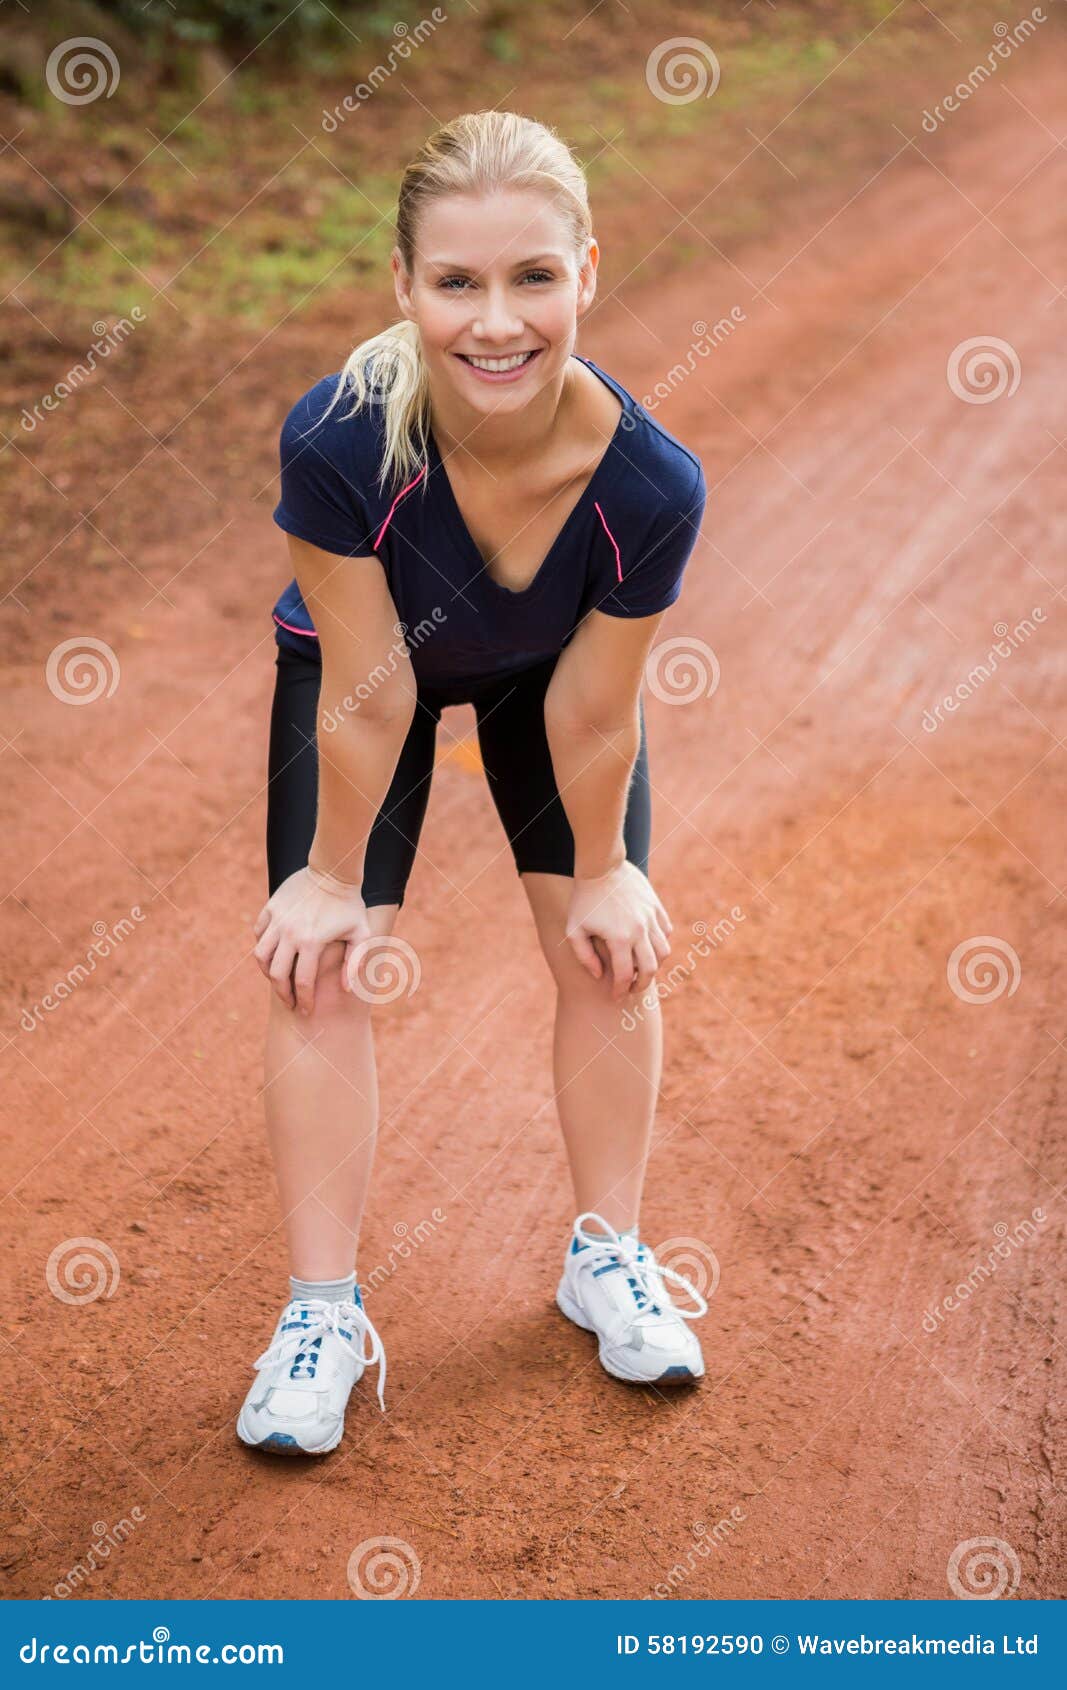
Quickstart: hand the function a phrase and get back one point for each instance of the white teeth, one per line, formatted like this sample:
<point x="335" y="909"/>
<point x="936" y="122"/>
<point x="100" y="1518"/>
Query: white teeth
<point x="497" y="364"/>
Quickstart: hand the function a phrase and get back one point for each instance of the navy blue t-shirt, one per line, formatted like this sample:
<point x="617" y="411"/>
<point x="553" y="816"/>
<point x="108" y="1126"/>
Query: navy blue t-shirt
<point x="622" y="549"/>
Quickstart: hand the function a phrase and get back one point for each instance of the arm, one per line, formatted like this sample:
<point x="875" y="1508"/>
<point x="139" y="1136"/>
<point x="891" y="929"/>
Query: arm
<point x="355" y="617"/>
<point x="593" y="732"/>
<point x="591" y="709"/>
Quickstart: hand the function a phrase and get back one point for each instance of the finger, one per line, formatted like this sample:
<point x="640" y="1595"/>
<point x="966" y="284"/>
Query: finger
<point x="355" y="950"/>
<point x="266" y="948"/>
<point x="647" y="963"/>
<point x="281" y="969"/>
<point x="304" y="976"/>
<point x="584" y="950"/>
<point x="622" y="962"/>
<point x="660" y="942"/>
<point x="262" y="921"/>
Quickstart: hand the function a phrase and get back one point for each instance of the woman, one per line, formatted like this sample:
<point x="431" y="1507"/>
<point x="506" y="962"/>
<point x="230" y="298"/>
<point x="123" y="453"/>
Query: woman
<point x="514" y="506"/>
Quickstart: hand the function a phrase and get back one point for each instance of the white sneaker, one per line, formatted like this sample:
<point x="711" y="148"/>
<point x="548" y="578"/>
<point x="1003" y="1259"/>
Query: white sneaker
<point x="613" y="1286"/>
<point x="297" y="1402"/>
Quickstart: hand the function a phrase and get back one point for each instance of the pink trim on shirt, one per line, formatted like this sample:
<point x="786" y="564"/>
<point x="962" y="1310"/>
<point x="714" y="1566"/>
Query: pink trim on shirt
<point x="394" y="504"/>
<point x="611" y="537"/>
<point x="308" y="633"/>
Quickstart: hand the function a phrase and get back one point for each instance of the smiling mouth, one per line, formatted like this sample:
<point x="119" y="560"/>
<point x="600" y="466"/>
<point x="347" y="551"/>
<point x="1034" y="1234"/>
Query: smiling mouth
<point x="498" y="366"/>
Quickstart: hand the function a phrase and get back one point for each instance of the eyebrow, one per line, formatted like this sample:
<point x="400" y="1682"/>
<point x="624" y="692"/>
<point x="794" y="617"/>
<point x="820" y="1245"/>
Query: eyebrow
<point x="520" y="264"/>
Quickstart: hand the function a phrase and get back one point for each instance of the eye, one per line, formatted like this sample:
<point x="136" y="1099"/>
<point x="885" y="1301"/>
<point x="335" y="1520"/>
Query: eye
<point x="453" y="284"/>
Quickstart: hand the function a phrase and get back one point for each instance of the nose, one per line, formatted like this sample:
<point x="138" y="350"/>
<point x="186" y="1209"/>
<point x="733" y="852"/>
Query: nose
<point x="497" y="321"/>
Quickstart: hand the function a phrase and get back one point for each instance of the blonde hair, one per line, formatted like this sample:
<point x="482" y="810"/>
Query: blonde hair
<point x="476" y="153"/>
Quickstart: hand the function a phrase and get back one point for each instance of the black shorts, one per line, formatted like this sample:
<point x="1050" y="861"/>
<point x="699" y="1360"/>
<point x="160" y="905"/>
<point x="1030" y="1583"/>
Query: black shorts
<point x="515" y="755"/>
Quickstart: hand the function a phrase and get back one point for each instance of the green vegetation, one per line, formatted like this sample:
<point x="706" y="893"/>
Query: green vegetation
<point x="244" y="23"/>
<point x="208" y="174"/>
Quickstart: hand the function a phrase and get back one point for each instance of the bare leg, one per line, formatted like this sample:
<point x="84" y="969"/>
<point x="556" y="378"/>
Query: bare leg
<point x="606" y="1068"/>
<point x="321" y="1104"/>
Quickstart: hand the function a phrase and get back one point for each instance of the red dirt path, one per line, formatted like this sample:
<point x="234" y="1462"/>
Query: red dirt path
<point x="841" y="1129"/>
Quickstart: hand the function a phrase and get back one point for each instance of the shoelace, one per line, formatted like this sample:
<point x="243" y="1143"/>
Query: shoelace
<point x="639" y="1263"/>
<point x="329" y="1317"/>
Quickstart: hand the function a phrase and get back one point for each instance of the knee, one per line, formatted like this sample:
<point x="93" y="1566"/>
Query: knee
<point x="332" y="1002"/>
<point x="380" y="971"/>
<point x="334" y="999"/>
<point x="573" y="980"/>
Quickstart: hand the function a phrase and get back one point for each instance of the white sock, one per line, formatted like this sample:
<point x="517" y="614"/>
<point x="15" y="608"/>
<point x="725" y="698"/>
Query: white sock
<point x="630" y="1232"/>
<point x="327" y="1290"/>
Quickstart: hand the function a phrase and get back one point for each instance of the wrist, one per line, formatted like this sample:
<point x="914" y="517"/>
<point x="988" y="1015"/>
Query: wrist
<point x="599" y="867"/>
<point x="331" y="883"/>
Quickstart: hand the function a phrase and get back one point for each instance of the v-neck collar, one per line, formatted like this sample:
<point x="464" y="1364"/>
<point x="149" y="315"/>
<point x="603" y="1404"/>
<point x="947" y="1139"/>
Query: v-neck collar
<point x="465" y="539"/>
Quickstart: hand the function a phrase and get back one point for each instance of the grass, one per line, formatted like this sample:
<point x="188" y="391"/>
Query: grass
<point x="243" y="247"/>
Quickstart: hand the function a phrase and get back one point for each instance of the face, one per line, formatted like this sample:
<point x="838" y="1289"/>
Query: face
<point x="497" y="291"/>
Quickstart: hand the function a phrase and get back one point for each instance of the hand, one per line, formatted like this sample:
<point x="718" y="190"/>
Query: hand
<point x="621" y="910"/>
<point x="295" y="926"/>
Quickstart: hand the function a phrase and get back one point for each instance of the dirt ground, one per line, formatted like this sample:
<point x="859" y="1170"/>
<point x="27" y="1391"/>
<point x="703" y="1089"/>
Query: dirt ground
<point x="841" y="1127"/>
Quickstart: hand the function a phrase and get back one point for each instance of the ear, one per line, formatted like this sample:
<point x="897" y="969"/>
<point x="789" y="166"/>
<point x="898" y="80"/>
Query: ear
<point x="402" y="285"/>
<point x="587" y="278"/>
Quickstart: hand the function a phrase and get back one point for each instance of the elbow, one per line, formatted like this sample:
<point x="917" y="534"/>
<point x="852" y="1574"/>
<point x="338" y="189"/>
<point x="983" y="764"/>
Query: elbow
<point x="388" y="717"/>
<point x="385" y="698"/>
<point x="395" y="711"/>
<point x="569" y="724"/>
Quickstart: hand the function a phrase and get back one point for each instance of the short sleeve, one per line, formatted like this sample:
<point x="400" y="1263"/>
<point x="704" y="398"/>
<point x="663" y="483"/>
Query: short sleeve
<point x="652" y="574"/>
<point x="320" y="499"/>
